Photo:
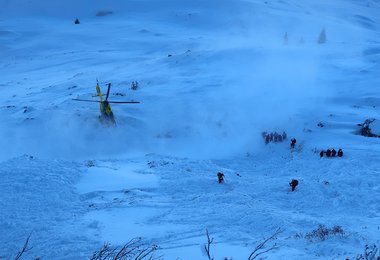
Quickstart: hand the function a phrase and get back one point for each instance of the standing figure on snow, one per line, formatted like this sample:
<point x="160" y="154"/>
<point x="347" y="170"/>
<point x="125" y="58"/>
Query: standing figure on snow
<point x="340" y="153"/>
<point x="293" y="184"/>
<point x="293" y="143"/>
<point x="284" y="135"/>
<point x="333" y="152"/>
<point x="275" y="137"/>
<point x="220" y="177"/>
<point x="267" y="138"/>
<point x="264" y="135"/>
<point x="321" y="153"/>
<point x="328" y="152"/>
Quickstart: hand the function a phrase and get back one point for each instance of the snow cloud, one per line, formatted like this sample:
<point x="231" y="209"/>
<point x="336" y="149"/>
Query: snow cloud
<point x="202" y="93"/>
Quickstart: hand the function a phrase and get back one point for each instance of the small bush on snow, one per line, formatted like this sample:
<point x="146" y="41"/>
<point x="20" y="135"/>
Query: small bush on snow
<point x="136" y="249"/>
<point x="103" y="13"/>
<point x="322" y="37"/>
<point x="322" y="233"/>
<point x="370" y="253"/>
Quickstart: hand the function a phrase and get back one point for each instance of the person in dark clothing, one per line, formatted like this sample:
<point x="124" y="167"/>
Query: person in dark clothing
<point x="275" y="137"/>
<point x="333" y="152"/>
<point x="321" y="153"/>
<point x="220" y="177"/>
<point x="267" y="138"/>
<point x="328" y="152"/>
<point x="340" y="153"/>
<point x="293" y="143"/>
<point x="293" y="184"/>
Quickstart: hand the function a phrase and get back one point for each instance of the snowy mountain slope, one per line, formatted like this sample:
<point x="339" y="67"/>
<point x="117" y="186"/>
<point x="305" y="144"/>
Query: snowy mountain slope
<point x="213" y="75"/>
<point x="74" y="57"/>
<point x="253" y="201"/>
<point x="39" y="199"/>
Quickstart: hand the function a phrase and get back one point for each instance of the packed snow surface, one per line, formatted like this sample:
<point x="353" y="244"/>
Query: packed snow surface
<point x="212" y="76"/>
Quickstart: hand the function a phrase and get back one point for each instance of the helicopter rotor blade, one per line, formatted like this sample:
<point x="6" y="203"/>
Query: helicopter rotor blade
<point x="86" y="100"/>
<point x="124" y="102"/>
<point x="113" y="102"/>
<point x="108" y="91"/>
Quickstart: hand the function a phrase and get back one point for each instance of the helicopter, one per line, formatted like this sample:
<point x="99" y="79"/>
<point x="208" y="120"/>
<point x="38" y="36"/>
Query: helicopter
<point x="106" y="114"/>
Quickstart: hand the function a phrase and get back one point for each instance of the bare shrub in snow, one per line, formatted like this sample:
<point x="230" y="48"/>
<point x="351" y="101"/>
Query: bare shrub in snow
<point x="135" y="85"/>
<point x="24" y="248"/>
<point x="370" y="253"/>
<point x="207" y="250"/>
<point x="366" y="130"/>
<point x="261" y="247"/>
<point x="322" y="233"/>
<point x="322" y="37"/>
<point x="337" y="230"/>
<point x="134" y="249"/>
<point x="286" y="38"/>
<point x="207" y="247"/>
<point x="90" y="163"/>
<point x="103" y="13"/>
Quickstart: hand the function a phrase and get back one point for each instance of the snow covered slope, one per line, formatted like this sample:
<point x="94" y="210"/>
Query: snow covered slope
<point x="212" y="76"/>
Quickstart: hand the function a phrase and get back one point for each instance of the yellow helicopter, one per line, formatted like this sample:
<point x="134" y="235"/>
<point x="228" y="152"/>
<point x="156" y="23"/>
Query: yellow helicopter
<point x="106" y="114"/>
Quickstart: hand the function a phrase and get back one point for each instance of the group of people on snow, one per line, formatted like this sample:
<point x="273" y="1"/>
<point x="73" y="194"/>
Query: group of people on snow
<point x="331" y="153"/>
<point x="274" y="137"/>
